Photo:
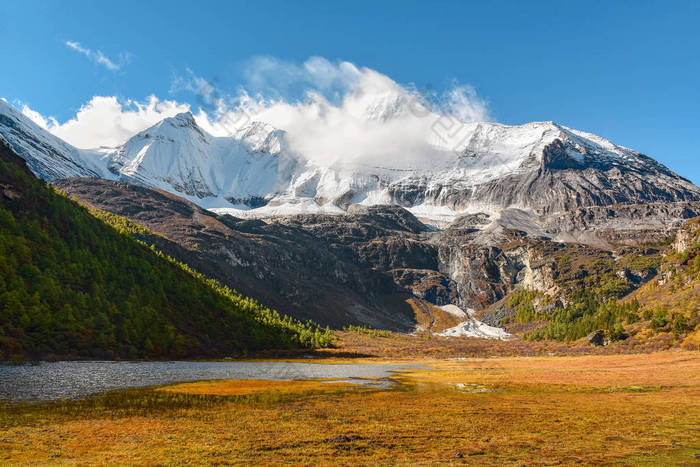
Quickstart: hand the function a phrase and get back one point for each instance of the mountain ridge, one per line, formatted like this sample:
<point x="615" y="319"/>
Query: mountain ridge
<point x="542" y="167"/>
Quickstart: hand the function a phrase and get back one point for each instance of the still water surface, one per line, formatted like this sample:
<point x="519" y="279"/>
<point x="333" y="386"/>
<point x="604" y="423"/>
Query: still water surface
<point x="73" y="380"/>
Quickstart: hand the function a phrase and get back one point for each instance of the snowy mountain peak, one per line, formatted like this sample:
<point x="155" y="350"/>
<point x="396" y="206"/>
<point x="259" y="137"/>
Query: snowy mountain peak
<point x="174" y="127"/>
<point x="181" y="119"/>
<point x="531" y="144"/>
<point x="262" y="138"/>
<point x="389" y="105"/>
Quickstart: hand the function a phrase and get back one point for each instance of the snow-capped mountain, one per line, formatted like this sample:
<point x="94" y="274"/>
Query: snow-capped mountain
<point x="178" y="156"/>
<point x="47" y="156"/>
<point x="541" y="166"/>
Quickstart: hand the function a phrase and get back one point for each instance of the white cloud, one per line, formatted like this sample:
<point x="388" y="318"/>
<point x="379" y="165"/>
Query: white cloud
<point x="269" y="75"/>
<point x="345" y="113"/>
<point x="104" y="121"/>
<point x="465" y="105"/>
<point x="97" y="56"/>
<point x="36" y="117"/>
<point x="331" y="111"/>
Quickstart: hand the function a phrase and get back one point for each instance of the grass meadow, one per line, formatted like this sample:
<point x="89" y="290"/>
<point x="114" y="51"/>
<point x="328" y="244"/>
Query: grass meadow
<point x="641" y="409"/>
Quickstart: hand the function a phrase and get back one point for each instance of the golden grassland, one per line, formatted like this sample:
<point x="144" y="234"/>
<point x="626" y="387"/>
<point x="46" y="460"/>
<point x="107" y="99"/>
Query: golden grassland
<point x="402" y="346"/>
<point x="253" y="386"/>
<point x="614" y="409"/>
<point x="430" y="318"/>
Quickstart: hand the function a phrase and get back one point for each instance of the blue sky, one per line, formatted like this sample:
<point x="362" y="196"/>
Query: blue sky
<point x="626" y="70"/>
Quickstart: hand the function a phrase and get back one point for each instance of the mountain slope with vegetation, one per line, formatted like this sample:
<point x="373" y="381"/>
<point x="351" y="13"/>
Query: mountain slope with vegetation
<point x="671" y="302"/>
<point x="647" y="293"/>
<point x="73" y="286"/>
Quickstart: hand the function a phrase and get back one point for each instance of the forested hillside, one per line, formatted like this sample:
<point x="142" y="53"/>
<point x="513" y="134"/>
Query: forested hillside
<point x="73" y="286"/>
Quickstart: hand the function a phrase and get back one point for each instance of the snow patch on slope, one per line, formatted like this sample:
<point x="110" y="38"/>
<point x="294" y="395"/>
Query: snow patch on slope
<point x="289" y="208"/>
<point x="472" y="327"/>
<point x="455" y="311"/>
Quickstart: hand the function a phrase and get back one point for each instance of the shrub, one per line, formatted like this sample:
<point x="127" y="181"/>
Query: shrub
<point x="658" y="320"/>
<point x="367" y="331"/>
<point x="680" y="325"/>
<point x="617" y="333"/>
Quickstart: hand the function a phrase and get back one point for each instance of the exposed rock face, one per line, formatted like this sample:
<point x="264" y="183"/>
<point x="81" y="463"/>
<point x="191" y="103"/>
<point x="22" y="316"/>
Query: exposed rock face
<point x="362" y="266"/>
<point x="626" y="223"/>
<point x="597" y="338"/>
<point x="570" y="173"/>
<point x="687" y="235"/>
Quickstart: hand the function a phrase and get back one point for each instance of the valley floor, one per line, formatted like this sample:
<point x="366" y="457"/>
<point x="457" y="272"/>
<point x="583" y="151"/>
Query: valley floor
<point x="384" y="344"/>
<point x="614" y="409"/>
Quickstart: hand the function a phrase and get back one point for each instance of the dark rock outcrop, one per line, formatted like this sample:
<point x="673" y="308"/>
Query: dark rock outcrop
<point x="597" y="338"/>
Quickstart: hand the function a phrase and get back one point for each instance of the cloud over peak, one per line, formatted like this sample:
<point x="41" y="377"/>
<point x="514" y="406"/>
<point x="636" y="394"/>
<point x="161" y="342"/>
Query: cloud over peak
<point x="104" y="121"/>
<point x="337" y="111"/>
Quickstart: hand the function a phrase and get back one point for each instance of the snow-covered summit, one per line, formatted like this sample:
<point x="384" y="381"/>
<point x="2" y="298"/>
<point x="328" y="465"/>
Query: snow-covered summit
<point x="262" y="137"/>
